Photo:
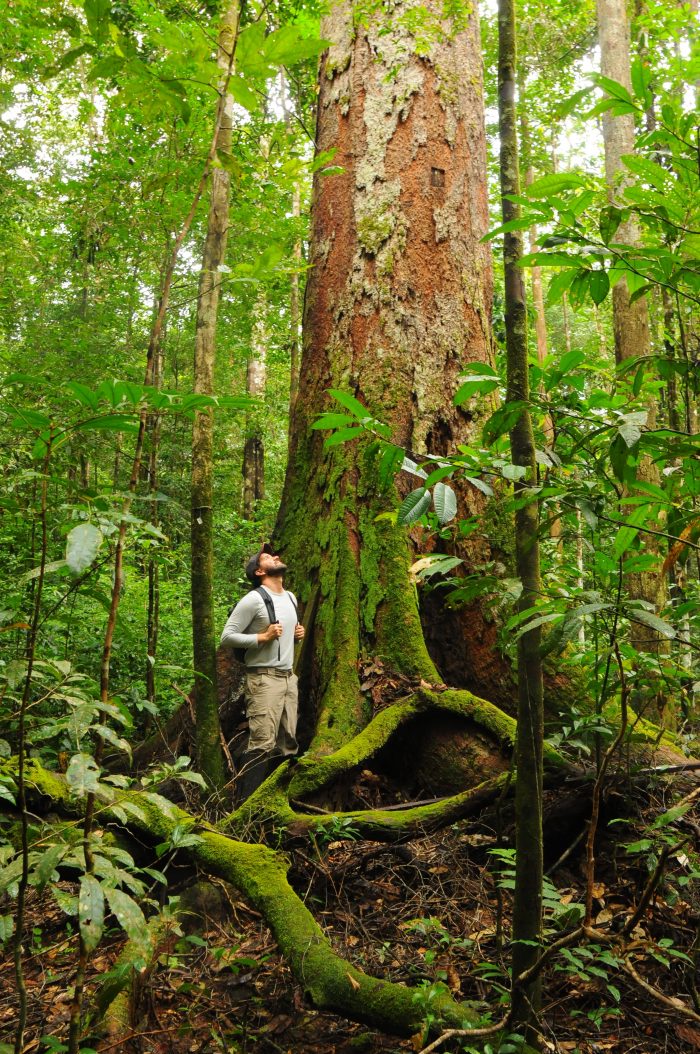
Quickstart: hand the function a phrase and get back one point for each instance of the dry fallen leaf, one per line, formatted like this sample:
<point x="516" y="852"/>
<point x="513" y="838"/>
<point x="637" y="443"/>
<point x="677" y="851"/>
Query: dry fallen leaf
<point x="355" y="985"/>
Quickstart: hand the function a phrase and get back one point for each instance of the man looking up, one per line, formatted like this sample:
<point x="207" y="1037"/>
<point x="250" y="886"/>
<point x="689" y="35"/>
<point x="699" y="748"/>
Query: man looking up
<point x="271" y="685"/>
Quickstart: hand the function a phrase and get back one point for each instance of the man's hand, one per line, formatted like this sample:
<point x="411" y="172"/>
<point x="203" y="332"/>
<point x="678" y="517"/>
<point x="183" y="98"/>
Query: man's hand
<point x="273" y="631"/>
<point x="299" y="631"/>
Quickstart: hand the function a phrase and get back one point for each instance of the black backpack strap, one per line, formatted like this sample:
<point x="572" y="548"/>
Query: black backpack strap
<point x="270" y="607"/>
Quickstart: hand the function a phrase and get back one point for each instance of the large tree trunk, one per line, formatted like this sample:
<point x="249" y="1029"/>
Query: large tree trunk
<point x="398" y="300"/>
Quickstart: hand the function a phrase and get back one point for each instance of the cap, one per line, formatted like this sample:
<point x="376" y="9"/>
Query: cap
<point x="252" y="565"/>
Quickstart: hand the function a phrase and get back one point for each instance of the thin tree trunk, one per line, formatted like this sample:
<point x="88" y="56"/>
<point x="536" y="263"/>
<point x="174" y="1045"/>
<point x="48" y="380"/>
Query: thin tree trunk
<point x="153" y="564"/>
<point x="294" y="313"/>
<point x="630" y="319"/>
<point x="254" y="448"/>
<point x="210" y="760"/>
<point x="527" y="902"/>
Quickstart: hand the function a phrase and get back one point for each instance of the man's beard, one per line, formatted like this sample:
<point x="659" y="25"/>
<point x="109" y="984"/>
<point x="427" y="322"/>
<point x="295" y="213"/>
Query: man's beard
<point x="277" y="571"/>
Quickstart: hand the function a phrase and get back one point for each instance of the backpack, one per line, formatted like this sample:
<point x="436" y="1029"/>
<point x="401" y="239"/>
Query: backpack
<point x="239" y="653"/>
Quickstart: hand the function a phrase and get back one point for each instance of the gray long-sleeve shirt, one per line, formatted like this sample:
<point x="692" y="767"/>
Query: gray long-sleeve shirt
<point x="250" y="617"/>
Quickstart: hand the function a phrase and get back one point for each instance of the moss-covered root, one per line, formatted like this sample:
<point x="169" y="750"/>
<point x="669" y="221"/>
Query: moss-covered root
<point x="329" y="981"/>
<point x="400" y="825"/>
<point x="313" y="773"/>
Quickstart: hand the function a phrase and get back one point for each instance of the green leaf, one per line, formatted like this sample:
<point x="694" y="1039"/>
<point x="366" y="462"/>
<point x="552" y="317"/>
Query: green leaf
<point x="97" y="14"/>
<point x="343" y="435"/>
<point x="502" y="420"/>
<point x="480" y="485"/>
<point x="551" y="184"/>
<point x="414" y="505"/>
<point x="82" y="546"/>
<point x="559" y="283"/>
<point x="110" y="423"/>
<point x="242" y="94"/>
<point x="614" y="89"/>
<point x="630" y="426"/>
<point x="623" y="459"/>
<point x="359" y="412"/>
<point x="83" y="774"/>
<point x="626" y="534"/>
<point x="670" y="816"/>
<point x="130" y="917"/>
<point x="47" y="864"/>
<point x="652" y="620"/>
<point x="287" y="46"/>
<point x="7" y="928"/>
<point x="610" y="220"/>
<point x="640" y="75"/>
<point x="598" y="286"/>
<point x="91" y="911"/>
<point x="53" y="565"/>
<point x="444" y="502"/>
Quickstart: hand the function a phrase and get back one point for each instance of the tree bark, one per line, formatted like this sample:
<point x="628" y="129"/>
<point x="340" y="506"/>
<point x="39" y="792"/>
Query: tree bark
<point x="254" y="447"/>
<point x="527" y="901"/>
<point x="397" y="301"/>
<point x="209" y="755"/>
<point x="630" y="319"/>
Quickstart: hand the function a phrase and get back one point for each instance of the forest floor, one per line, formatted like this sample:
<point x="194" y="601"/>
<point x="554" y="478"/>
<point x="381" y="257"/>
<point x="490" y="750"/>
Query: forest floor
<point x="426" y="913"/>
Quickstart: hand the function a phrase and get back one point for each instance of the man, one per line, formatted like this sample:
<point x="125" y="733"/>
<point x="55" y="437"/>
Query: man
<point x="271" y="685"/>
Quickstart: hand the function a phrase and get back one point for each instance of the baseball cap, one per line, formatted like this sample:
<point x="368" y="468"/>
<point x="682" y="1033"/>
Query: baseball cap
<point x="252" y="565"/>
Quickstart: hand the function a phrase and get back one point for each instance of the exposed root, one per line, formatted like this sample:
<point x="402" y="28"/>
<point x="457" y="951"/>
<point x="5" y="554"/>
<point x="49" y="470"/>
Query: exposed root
<point x="329" y="981"/>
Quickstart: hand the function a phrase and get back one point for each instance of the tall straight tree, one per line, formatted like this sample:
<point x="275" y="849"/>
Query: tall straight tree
<point x="209" y="754"/>
<point x="527" y="902"/>
<point x="630" y="317"/>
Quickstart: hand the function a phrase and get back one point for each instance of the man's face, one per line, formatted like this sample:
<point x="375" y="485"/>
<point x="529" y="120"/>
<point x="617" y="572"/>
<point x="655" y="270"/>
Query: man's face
<point x="269" y="564"/>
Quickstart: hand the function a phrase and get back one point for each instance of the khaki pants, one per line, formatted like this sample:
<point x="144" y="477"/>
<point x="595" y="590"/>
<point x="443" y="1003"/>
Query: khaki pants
<point x="272" y="712"/>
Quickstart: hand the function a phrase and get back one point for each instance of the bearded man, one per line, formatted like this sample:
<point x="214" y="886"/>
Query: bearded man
<point x="265" y="625"/>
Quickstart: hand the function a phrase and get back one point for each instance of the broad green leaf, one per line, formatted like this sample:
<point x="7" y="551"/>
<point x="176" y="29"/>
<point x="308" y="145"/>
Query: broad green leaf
<point x="82" y="545"/>
<point x="7" y="928"/>
<point x="129" y="916"/>
<point x="480" y="485"/>
<point x="610" y="220"/>
<point x="559" y="283"/>
<point x="91" y="911"/>
<point x="554" y="182"/>
<point x="652" y="620"/>
<point x="444" y="502"/>
<point x="598" y="286"/>
<point x="47" y="864"/>
<point x="10" y="874"/>
<point x="15" y="672"/>
<point x="627" y="533"/>
<point x="97" y="14"/>
<point x="414" y="505"/>
<point x="83" y="774"/>
<point x="630" y="426"/>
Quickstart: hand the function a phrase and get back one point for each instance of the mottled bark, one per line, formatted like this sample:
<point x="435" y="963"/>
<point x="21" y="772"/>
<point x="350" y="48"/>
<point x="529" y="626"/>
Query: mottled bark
<point x="294" y="312"/>
<point x="630" y="321"/>
<point x="397" y="301"/>
<point x="527" y="901"/>
<point x="209" y="756"/>
<point x="254" y="447"/>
